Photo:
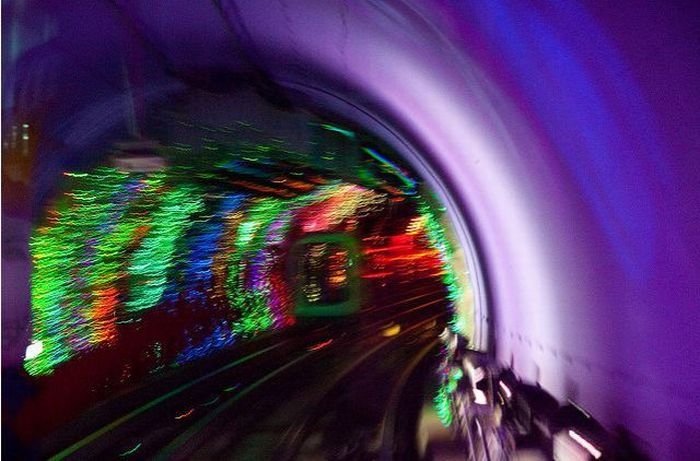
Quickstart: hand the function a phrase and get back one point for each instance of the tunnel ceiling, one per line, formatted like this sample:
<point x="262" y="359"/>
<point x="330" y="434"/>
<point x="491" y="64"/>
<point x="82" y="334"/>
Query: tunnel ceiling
<point x="559" y="133"/>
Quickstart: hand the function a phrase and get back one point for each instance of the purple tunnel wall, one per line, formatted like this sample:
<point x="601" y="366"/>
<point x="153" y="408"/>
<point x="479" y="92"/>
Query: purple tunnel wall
<point x="566" y="136"/>
<point x="548" y="128"/>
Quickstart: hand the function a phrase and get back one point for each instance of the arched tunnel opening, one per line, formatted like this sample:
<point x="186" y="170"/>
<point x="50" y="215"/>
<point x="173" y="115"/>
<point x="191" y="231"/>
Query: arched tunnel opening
<point x="307" y="229"/>
<point x="167" y="250"/>
<point x="233" y="224"/>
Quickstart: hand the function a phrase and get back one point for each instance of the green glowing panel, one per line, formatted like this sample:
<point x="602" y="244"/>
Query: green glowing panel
<point x="326" y="287"/>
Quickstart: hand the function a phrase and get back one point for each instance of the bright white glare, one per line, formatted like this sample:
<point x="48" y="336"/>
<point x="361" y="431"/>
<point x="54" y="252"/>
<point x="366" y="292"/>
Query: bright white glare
<point x="480" y="397"/>
<point x="585" y="444"/>
<point x="33" y="350"/>
<point x="506" y="389"/>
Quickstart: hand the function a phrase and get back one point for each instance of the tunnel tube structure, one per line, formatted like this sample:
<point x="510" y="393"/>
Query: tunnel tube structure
<point x="560" y="136"/>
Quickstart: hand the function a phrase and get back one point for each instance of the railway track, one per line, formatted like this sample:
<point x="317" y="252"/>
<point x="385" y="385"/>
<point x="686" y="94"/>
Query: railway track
<point x="174" y="422"/>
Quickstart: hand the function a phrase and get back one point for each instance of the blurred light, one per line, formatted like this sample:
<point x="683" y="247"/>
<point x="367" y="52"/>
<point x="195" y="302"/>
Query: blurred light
<point x="211" y="402"/>
<point x="139" y="164"/>
<point x="119" y="250"/>
<point x="585" y="444"/>
<point x="391" y="331"/>
<point x="480" y="397"/>
<point x="391" y="167"/>
<point x="131" y="451"/>
<point x="579" y="408"/>
<point x="443" y="404"/>
<point x="344" y="132"/>
<point x="33" y="350"/>
<point x="320" y="345"/>
<point x="185" y="414"/>
<point x="506" y="389"/>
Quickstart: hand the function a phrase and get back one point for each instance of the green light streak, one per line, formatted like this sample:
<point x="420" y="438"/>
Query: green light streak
<point x="64" y="318"/>
<point x="392" y="168"/>
<point x="250" y="239"/>
<point x="132" y="451"/>
<point x="443" y="397"/>
<point x="117" y="245"/>
<point x="436" y="236"/>
<point x="443" y="406"/>
<point x="344" y="132"/>
<point x="156" y="256"/>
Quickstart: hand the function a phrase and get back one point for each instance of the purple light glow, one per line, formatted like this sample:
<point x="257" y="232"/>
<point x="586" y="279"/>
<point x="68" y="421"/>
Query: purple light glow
<point x="567" y="136"/>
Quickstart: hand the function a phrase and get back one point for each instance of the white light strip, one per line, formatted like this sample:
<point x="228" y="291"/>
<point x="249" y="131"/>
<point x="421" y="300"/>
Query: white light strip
<point x="33" y="350"/>
<point x="585" y="444"/>
<point x="480" y="397"/>
<point x="506" y="389"/>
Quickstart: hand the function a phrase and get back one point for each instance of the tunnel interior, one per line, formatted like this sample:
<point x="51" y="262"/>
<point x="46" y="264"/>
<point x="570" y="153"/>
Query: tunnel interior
<point x="163" y="251"/>
<point x="533" y="162"/>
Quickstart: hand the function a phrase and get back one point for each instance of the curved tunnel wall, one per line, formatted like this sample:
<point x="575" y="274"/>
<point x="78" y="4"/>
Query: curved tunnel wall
<point x="573" y="181"/>
<point x="562" y="133"/>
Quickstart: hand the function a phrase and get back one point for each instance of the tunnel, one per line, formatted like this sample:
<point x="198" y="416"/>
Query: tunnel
<point x="188" y="184"/>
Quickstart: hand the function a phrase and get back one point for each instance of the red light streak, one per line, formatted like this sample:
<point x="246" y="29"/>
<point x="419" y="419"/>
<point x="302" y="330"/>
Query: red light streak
<point x="185" y="414"/>
<point x="320" y="345"/>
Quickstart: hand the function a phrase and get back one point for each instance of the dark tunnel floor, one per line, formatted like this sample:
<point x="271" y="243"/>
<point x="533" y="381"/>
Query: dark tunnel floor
<point x="332" y="389"/>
